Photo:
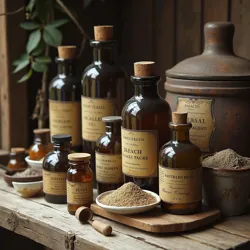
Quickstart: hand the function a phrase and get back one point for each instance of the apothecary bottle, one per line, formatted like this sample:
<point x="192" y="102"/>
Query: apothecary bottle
<point x="108" y="156"/>
<point x="17" y="159"/>
<point x="79" y="182"/>
<point x="65" y="97"/>
<point x="145" y="119"/>
<point x="103" y="89"/>
<point x="55" y="167"/>
<point x="41" y="145"/>
<point x="180" y="170"/>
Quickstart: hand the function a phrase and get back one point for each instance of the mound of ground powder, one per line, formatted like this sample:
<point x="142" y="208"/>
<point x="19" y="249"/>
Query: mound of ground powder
<point x="128" y="195"/>
<point x="227" y="159"/>
<point x="29" y="172"/>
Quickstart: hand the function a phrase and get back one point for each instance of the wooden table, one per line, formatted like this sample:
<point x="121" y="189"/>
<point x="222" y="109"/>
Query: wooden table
<point x="52" y="226"/>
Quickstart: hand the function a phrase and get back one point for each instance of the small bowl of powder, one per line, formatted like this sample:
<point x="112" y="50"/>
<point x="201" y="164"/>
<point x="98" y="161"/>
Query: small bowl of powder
<point x="128" y="199"/>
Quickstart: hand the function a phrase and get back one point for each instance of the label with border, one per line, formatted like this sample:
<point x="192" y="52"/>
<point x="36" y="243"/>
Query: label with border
<point x="108" y="168"/>
<point x="180" y="185"/>
<point x="54" y="182"/>
<point x="139" y="152"/>
<point x="200" y="115"/>
<point x="79" y="193"/>
<point x="65" y="118"/>
<point x="93" y="110"/>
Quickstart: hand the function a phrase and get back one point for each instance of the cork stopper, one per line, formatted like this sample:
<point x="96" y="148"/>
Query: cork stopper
<point x="179" y="118"/>
<point x="103" y="33"/>
<point x="17" y="150"/>
<point x="41" y="131"/>
<point x="143" y="69"/>
<point x="79" y="157"/>
<point x="67" y="52"/>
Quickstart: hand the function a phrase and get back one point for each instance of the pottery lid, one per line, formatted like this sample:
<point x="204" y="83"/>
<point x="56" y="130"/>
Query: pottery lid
<point x="218" y="61"/>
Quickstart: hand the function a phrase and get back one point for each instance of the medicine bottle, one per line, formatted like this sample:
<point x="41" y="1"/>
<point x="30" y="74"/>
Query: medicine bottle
<point x="108" y="156"/>
<point x="79" y="182"/>
<point x="55" y="166"/>
<point x="17" y="159"/>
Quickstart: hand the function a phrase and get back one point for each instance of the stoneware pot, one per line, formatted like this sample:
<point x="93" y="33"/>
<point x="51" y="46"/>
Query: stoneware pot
<point x="226" y="189"/>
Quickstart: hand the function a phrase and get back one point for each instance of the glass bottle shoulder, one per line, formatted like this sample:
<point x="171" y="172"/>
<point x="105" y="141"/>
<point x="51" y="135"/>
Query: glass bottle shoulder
<point x="56" y="160"/>
<point x="65" y="83"/>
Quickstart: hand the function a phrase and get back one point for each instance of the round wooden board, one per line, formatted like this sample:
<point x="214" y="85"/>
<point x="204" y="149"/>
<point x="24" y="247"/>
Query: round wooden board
<point x="156" y="221"/>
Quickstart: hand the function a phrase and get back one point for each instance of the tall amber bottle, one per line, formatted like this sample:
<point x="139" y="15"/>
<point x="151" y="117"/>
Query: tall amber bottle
<point x="180" y="170"/>
<point x="145" y="119"/>
<point x="65" y="98"/>
<point x="103" y="89"/>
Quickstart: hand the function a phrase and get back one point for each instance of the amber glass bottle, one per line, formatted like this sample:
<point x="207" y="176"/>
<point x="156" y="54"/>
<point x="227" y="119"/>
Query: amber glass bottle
<point x="65" y="98"/>
<point x="41" y="144"/>
<point x="79" y="182"/>
<point x="17" y="159"/>
<point x="108" y="156"/>
<point x="103" y="89"/>
<point x="55" y="166"/>
<point x="145" y="119"/>
<point x="180" y="170"/>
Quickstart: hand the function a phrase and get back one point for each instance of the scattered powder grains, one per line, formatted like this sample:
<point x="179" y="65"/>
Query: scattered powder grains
<point x="128" y="195"/>
<point x="228" y="159"/>
<point x="28" y="173"/>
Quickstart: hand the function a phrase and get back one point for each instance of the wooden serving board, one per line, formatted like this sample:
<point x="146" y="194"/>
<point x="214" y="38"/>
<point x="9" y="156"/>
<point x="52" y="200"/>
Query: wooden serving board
<point x="156" y="221"/>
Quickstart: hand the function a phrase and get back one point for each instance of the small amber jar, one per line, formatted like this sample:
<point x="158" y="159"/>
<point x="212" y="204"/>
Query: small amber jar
<point x="108" y="158"/>
<point x="55" y="166"/>
<point x="17" y="159"/>
<point x="79" y="182"/>
<point x="41" y="145"/>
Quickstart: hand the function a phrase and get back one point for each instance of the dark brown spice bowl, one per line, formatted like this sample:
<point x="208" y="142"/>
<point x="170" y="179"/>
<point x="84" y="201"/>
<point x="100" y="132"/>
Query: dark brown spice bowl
<point x="9" y="178"/>
<point x="226" y="189"/>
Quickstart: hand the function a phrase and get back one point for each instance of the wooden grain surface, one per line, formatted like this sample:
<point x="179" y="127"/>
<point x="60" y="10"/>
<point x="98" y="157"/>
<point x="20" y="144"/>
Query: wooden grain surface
<point x="52" y="226"/>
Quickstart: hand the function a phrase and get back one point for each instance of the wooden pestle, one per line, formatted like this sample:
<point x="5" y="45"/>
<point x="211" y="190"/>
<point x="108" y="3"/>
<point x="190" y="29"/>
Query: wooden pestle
<point x="84" y="215"/>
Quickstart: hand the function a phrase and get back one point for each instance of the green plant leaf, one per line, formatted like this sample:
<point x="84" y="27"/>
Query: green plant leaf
<point x="21" y="58"/>
<point x="52" y="36"/>
<point x="39" y="67"/>
<point x="21" y="65"/>
<point x="58" y="23"/>
<point x="43" y="59"/>
<point x="30" y="5"/>
<point x="33" y="40"/>
<point x="26" y="76"/>
<point x="39" y="49"/>
<point x="29" y="25"/>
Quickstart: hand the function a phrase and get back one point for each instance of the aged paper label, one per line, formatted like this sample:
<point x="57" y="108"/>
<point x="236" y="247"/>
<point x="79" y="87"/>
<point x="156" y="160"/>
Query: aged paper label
<point x="200" y="115"/>
<point x="180" y="185"/>
<point x="93" y="110"/>
<point x="139" y="152"/>
<point x="54" y="182"/>
<point x="108" y="168"/>
<point x="79" y="193"/>
<point x="65" y="118"/>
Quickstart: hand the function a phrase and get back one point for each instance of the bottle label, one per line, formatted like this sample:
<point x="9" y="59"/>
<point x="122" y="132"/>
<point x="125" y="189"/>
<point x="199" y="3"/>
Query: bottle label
<point x="54" y="182"/>
<point x="109" y="168"/>
<point x="200" y="115"/>
<point x="139" y="152"/>
<point x="64" y="118"/>
<point x="79" y="193"/>
<point x="180" y="185"/>
<point x="93" y="110"/>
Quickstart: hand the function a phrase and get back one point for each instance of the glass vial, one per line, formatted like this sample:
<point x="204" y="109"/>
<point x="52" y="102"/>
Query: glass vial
<point x="145" y="119"/>
<point x="55" y="166"/>
<point x="180" y="170"/>
<point x="79" y="182"/>
<point x="108" y="156"/>
<point x="103" y="89"/>
<point x="65" y="98"/>
<point x="41" y="145"/>
<point x="17" y="159"/>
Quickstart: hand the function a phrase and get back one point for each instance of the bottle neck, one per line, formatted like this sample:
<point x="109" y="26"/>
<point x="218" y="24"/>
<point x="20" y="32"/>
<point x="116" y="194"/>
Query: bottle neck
<point x="114" y="129"/>
<point x="42" y="138"/>
<point x="65" y="146"/>
<point x="106" y="55"/>
<point x="18" y="157"/>
<point x="79" y="164"/>
<point x="66" y="68"/>
<point x="180" y="132"/>
<point x="146" y="90"/>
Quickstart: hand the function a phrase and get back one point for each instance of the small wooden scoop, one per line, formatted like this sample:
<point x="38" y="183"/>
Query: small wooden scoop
<point x="84" y="215"/>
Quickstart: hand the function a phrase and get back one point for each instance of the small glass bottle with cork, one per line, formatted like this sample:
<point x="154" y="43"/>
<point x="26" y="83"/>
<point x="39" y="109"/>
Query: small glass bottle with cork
<point x="108" y="156"/>
<point x="17" y="159"/>
<point x="55" y="166"/>
<point x="180" y="170"/>
<point x="79" y="182"/>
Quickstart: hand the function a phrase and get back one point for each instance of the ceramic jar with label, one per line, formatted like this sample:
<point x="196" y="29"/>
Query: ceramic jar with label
<point x="108" y="156"/>
<point x="103" y="89"/>
<point x="145" y="119"/>
<point x="214" y="89"/>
